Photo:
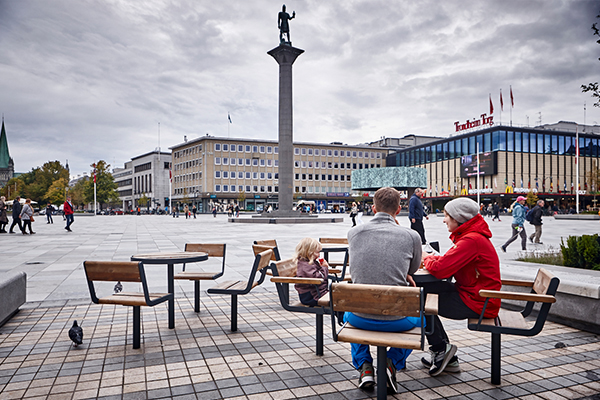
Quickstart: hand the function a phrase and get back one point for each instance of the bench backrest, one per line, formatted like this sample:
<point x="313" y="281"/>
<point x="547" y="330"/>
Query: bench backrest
<point x="542" y="281"/>
<point x="287" y="268"/>
<point x="334" y="240"/>
<point x="262" y="245"/>
<point x="113" y="271"/>
<point x="261" y="260"/>
<point x="377" y="299"/>
<point x="213" y="249"/>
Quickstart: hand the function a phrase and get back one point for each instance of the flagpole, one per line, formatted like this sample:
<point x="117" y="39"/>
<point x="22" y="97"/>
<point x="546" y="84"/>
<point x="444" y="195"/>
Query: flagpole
<point x="478" y="191"/>
<point x="511" y="105"/>
<point x="577" y="171"/>
<point x="95" y="210"/>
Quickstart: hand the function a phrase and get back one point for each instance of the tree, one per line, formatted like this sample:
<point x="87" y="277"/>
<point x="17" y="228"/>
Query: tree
<point x="77" y="192"/>
<point x="241" y="197"/>
<point x="13" y="188"/>
<point x="594" y="179"/>
<point x="593" y="87"/>
<point x="56" y="192"/>
<point x="532" y="199"/>
<point x="143" y="201"/>
<point x="106" y="188"/>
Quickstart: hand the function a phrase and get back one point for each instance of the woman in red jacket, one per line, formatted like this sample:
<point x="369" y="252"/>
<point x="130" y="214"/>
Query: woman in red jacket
<point x="473" y="261"/>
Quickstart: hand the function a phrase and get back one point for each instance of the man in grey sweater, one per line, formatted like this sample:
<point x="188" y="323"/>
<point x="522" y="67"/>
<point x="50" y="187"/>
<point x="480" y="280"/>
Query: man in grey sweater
<point x="382" y="253"/>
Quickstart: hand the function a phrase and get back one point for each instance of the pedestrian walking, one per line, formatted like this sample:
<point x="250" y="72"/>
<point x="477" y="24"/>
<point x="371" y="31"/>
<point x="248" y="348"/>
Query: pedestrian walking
<point x="496" y="211"/>
<point x="27" y="217"/>
<point x="416" y="213"/>
<point x="353" y="213"/>
<point x="68" y="210"/>
<point x="194" y="210"/>
<point x="214" y="211"/>
<point x="3" y="216"/>
<point x="16" y="215"/>
<point x="518" y="212"/>
<point x="536" y="221"/>
<point x="237" y="210"/>
<point x="186" y="211"/>
<point x="49" y="210"/>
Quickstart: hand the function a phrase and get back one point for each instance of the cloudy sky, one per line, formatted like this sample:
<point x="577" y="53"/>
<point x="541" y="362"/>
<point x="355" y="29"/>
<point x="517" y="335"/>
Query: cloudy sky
<point x="92" y="79"/>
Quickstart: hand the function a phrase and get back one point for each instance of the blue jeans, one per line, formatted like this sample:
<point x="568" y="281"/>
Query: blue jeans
<point x="70" y="220"/>
<point x="361" y="352"/>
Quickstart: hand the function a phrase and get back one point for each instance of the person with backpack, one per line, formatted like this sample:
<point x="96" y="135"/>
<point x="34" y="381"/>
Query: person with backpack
<point x="535" y="219"/>
<point x="518" y="212"/>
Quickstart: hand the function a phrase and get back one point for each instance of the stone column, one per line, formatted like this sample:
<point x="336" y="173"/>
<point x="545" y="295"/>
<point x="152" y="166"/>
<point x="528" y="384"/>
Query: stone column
<point x="285" y="55"/>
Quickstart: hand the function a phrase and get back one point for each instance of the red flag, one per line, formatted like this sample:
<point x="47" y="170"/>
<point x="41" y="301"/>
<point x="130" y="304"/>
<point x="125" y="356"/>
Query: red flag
<point x="94" y="165"/>
<point x="491" y="105"/>
<point x="512" y="100"/>
<point x="501" y="101"/>
<point x="170" y="176"/>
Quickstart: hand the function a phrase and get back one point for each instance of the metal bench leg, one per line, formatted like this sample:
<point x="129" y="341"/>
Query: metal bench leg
<point x="496" y="358"/>
<point x="197" y="296"/>
<point x="234" y="312"/>
<point x="319" y="324"/>
<point x="136" y="327"/>
<point x="381" y="372"/>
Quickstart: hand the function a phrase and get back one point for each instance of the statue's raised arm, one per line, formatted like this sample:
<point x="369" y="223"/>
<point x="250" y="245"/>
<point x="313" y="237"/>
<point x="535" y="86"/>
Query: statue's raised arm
<point x="284" y="26"/>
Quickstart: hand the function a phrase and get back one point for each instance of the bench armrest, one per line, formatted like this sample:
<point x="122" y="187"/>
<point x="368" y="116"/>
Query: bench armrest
<point x="517" y="282"/>
<point x="431" y="304"/>
<point x="295" y="279"/>
<point x="496" y="294"/>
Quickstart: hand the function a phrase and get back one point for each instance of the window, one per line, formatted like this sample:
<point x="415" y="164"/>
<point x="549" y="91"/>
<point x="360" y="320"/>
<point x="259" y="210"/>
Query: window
<point x="277" y="163"/>
<point x="276" y="175"/>
<point x="276" y="150"/>
<point x="329" y="177"/>
<point x="269" y="149"/>
<point x="240" y="161"/>
<point x="310" y="177"/>
<point x="353" y="154"/>
<point x="303" y="151"/>
<point x="323" y="177"/>
<point x="217" y="160"/>
<point x="225" y="161"/>
<point x="303" y="177"/>
<point x="217" y="146"/>
<point x="310" y="152"/>
<point x="269" y="175"/>
<point x="232" y="188"/>
<point x="451" y="153"/>
<point x="225" y="147"/>
<point x="247" y="161"/>
<point x="255" y="189"/>
<point x="262" y="175"/>
<point x="316" y="152"/>
<point x="303" y="164"/>
<point x="561" y="145"/>
<point x="232" y="148"/>
<point x="540" y="143"/>
<point x="254" y="149"/>
<point x="353" y="165"/>
<point x="445" y="150"/>
<point x="297" y="176"/>
<point x="335" y="153"/>
<point x="297" y="151"/>
<point x="316" y="177"/>
<point x="310" y="164"/>
<point x="255" y="162"/>
<point x="225" y="188"/>
<point x="248" y="188"/>
<point x="255" y="175"/>
<point x="240" y="175"/>
<point x="247" y="149"/>
<point x="554" y="145"/>
<point x="262" y="162"/>
<point x="217" y="188"/>
<point x="240" y="148"/>
<point x="342" y="177"/>
<point x="262" y="149"/>
<point x="248" y="175"/>
<point x="335" y="177"/>
<point x="225" y="174"/>
<point x="329" y="165"/>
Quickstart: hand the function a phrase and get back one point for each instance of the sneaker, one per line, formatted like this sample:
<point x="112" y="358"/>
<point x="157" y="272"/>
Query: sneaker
<point x="503" y="249"/>
<point x="453" y="365"/>
<point x="531" y="239"/>
<point x="391" y="376"/>
<point x="366" y="379"/>
<point x="440" y="359"/>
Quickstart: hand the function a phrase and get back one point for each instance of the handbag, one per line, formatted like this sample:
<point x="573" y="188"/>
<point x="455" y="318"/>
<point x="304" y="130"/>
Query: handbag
<point x="31" y="219"/>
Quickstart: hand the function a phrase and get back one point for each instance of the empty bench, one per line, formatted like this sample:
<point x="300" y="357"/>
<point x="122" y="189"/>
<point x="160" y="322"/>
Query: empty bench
<point x="543" y="290"/>
<point x="240" y="288"/>
<point x="123" y="271"/>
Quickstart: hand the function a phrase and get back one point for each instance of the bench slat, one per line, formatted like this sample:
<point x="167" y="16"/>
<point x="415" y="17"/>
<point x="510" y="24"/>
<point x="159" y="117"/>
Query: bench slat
<point x="431" y="304"/>
<point x="213" y="249"/>
<point x="113" y="271"/>
<point x="485" y="321"/>
<point x="406" y="340"/>
<point x="512" y="319"/>
<point x="308" y="281"/>
<point x="130" y="299"/>
<point x="225" y="285"/>
<point x="196" y="276"/>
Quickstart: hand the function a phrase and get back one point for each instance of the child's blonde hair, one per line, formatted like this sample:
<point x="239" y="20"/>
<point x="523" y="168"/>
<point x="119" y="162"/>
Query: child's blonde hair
<point x="306" y="248"/>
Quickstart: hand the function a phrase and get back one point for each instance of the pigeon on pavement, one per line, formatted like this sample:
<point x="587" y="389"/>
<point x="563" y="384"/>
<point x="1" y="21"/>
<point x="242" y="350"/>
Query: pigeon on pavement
<point x="118" y="287"/>
<point x="76" y="334"/>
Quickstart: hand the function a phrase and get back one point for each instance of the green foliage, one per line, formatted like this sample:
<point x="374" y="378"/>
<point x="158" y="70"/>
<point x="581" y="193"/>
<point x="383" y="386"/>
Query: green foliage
<point x="106" y="188"/>
<point x="593" y="86"/>
<point x="77" y="192"/>
<point x="36" y="183"/>
<point x="56" y="192"/>
<point x="143" y="201"/>
<point x="550" y="257"/>
<point x="532" y="199"/>
<point x="582" y="251"/>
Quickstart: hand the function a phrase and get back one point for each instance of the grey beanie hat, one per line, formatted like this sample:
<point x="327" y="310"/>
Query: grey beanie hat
<point x="462" y="209"/>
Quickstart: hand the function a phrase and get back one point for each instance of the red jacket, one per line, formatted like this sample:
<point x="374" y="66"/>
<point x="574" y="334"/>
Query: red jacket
<point x="67" y="208"/>
<point x="474" y="263"/>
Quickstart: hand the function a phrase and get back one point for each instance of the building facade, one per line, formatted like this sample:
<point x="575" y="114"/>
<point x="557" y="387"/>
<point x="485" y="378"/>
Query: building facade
<point x="512" y="161"/>
<point x="214" y="171"/>
<point x="7" y="165"/>
<point x="144" y="181"/>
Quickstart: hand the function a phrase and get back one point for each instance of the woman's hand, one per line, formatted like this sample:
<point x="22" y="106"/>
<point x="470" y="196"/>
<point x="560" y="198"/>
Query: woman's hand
<point x="411" y="281"/>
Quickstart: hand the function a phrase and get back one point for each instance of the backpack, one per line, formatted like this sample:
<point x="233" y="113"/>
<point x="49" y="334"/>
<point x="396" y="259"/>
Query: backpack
<point x="529" y="215"/>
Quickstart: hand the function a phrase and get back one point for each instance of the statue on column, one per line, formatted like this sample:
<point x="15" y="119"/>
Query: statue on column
<point x="284" y="26"/>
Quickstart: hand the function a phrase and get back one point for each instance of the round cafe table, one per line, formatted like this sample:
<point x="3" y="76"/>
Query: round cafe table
<point x="170" y="259"/>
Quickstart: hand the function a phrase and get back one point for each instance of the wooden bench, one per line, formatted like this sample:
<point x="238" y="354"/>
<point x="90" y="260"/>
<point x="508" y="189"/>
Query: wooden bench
<point x="284" y="273"/>
<point x="213" y="250"/>
<point x="543" y="290"/>
<point x="123" y="271"/>
<point x="381" y="300"/>
<point x="262" y="245"/>
<point x="237" y="288"/>
<point x="336" y="266"/>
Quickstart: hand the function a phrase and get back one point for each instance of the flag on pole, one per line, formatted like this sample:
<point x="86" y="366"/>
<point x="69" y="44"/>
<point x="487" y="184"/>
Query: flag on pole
<point x="495" y="183"/>
<point x="512" y="100"/>
<point x="94" y="165"/>
<point x="501" y="101"/>
<point x="491" y="105"/>
<point x="229" y="118"/>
